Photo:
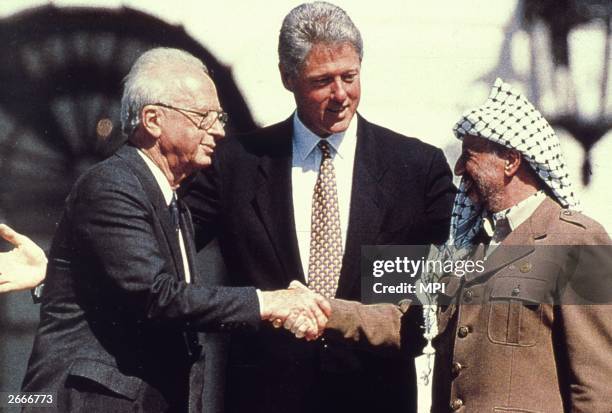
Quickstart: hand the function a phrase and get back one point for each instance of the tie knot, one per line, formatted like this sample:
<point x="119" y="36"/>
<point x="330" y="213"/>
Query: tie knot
<point x="497" y="227"/>
<point x="502" y="228"/>
<point x="324" y="147"/>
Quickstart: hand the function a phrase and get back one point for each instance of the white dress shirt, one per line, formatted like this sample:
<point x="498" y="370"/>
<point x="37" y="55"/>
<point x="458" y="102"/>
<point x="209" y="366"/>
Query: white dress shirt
<point x="167" y="191"/>
<point x="304" y="171"/>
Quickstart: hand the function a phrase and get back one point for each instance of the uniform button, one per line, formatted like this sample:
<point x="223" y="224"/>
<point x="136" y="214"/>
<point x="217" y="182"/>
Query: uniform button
<point x="525" y="267"/>
<point x="467" y="296"/>
<point x="456" y="368"/>
<point x="456" y="404"/>
<point x="463" y="331"/>
<point x="324" y="346"/>
<point x="323" y="339"/>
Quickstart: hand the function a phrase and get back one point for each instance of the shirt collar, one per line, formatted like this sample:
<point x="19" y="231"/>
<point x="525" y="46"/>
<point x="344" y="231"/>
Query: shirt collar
<point x="516" y="214"/>
<point x="159" y="176"/>
<point x="304" y="140"/>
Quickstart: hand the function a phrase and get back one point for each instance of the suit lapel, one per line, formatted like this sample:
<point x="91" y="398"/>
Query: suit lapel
<point x="367" y="205"/>
<point x="130" y="154"/>
<point x="273" y="200"/>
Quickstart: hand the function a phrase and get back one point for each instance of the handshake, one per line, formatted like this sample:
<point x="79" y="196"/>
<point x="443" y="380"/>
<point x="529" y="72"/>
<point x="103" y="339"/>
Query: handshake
<point x="298" y="309"/>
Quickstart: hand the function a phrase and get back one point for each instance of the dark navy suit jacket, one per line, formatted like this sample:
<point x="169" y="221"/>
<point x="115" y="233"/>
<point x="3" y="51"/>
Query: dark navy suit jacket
<point x="402" y="193"/>
<point x="116" y="312"/>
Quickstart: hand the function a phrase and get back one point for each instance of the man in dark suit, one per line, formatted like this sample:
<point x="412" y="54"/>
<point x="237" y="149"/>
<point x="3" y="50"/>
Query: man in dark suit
<point x="297" y="201"/>
<point x="122" y="300"/>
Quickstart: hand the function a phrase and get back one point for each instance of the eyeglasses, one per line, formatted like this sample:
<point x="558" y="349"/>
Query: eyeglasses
<point x="207" y="119"/>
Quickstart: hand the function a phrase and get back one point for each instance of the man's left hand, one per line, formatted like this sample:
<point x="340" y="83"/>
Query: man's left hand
<point x="24" y="266"/>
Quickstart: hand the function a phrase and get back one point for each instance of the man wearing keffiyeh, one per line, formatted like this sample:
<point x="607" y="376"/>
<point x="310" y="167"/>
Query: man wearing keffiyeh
<point x="529" y="343"/>
<point x="516" y="336"/>
<point x="510" y="126"/>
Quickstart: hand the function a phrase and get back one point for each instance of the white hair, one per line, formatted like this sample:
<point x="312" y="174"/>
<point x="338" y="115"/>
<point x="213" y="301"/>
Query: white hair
<point x="152" y="79"/>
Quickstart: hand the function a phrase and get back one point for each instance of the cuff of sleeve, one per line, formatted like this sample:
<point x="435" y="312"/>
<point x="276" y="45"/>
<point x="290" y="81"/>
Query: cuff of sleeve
<point x="377" y="324"/>
<point x="260" y="301"/>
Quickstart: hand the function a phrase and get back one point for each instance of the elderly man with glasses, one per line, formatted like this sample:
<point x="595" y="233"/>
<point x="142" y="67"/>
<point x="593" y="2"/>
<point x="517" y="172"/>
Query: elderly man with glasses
<point x="123" y="301"/>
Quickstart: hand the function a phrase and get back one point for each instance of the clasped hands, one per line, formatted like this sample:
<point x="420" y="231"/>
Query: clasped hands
<point x="298" y="309"/>
<point x="24" y="266"/>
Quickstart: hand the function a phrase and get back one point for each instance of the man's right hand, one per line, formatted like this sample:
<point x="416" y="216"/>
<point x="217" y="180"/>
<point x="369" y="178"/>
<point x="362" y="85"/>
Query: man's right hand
<point x="301" y="310"/>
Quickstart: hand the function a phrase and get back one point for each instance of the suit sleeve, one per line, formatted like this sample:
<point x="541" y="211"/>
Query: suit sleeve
<point x="585" y="317"/>
<point x="439" y="197"/>
<point x="381" y="328"/>
<point x="117" y="230"/>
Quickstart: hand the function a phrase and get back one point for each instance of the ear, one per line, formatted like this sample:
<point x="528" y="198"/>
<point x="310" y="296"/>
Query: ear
<point x="286" y="78"/>
<point x="512" y="162"/>
<point x="150" y="118"/>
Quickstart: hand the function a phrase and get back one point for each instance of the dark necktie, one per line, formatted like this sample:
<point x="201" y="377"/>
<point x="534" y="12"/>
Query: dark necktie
<point x="174" y="212"/>
<point x="499" y="229"/>
<point x="502" y="229"/>
<point x="181" y="223"/>
<point x="192" y="342"/>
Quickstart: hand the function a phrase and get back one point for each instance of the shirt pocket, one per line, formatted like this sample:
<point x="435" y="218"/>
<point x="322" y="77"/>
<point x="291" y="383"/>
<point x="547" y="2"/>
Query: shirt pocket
<point x="515" y="310"/>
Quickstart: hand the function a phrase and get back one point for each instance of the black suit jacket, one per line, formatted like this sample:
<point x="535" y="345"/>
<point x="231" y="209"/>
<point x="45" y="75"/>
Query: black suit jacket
<point x="402" y="193"/>
<point x="117" y="316"/>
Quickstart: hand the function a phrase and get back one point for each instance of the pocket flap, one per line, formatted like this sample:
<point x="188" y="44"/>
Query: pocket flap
<point x="107" y="376"/>
<point x="530" y="290"/>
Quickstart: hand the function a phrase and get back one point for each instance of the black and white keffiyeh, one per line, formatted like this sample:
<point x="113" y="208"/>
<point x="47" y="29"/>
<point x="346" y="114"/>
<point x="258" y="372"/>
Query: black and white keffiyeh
<point x="510" y="120"/>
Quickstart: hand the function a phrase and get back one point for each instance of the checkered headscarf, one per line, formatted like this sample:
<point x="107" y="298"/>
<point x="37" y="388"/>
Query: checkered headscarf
<point x="508" y="119"/>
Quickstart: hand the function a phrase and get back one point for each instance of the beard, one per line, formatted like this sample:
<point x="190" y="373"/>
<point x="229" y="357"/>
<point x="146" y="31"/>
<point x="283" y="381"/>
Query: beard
<point x="486" y="190"/>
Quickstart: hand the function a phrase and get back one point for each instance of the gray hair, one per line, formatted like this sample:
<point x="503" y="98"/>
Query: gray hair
<point x="152" y="79"/>
<point x="312" y="23"/>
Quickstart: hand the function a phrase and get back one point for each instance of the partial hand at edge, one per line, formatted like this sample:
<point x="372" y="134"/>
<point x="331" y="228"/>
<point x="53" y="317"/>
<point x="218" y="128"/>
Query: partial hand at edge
<point x="24" y="266"/>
